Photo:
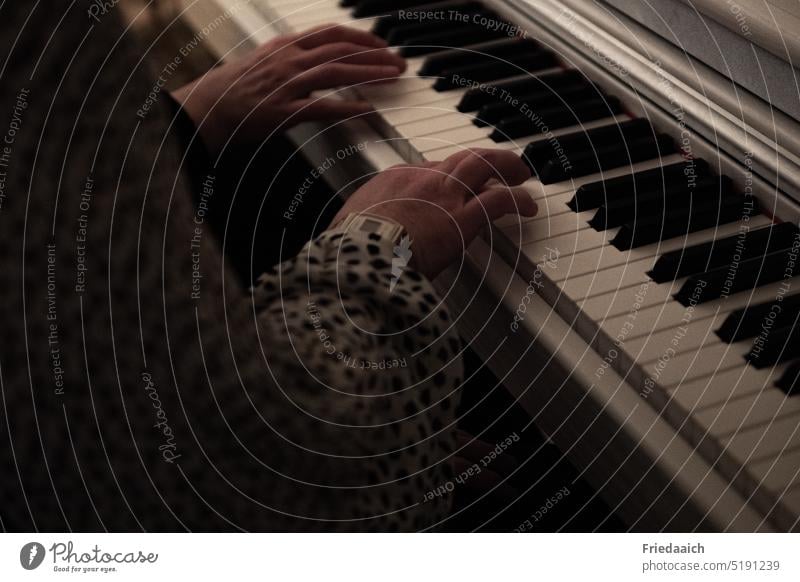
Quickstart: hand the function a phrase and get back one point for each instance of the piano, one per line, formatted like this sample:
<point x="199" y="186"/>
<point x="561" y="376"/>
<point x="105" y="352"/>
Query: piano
<point x="647" y="317"/>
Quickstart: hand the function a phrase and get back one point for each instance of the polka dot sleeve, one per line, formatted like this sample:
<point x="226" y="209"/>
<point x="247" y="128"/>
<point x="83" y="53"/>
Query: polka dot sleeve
<point x="381" y="362"/>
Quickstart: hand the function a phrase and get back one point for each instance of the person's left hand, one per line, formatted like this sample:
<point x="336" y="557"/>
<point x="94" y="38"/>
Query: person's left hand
<point x="244" y="101"/>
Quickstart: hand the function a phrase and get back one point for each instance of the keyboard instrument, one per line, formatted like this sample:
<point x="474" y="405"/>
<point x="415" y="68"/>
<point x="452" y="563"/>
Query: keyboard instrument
<point x="647" y="317"/>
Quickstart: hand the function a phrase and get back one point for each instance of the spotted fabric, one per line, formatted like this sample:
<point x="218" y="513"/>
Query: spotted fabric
<point x="143" y="388"/>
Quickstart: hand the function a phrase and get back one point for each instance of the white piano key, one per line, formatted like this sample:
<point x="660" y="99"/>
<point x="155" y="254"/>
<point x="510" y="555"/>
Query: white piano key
<point x="753" y="408"/>
<point x="705" y="393"/>
<point x="608" y="279"/>
<point x="671" y="315"/>
<point x="572" y="184"/>
<point x="364" y="24"/>
<point x="399" y="115"/>
<point x="764" y="442"/>
<point x="410" y="101"/>
<point x="711" y="359"/>
<point x="413" y="65"/>
<point x="565" y="245"/>
<point x="693" y="333"/>
<point x="451" y="137"/>
<point x="438" y="124"/>
<point x="300" y="19"/>
<point x="522" y="142"/>
<point x="626" y="300"/>
<point x="275" y="4"/>
<point x="474" y="133"/>
<point x="596" y="259"/>
<point x="485" y="143"/>
<point x="695" y="328"/>
<point x="308" y="16"/>
<point x="550" y="226"/>
<point x="583" y="262"/>
<point x="401" y="86"/>
<point x="778" y="473"/>
<point x="428" y="148"/>
<point x="549" y="203"/>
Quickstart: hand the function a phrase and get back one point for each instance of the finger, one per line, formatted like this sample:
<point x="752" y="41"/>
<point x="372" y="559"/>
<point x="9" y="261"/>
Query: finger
<point x="331" y="33"/>
<point x="339" y="75"/>
<point x="475" y="170"/>
<point x="451" y="162"/>
<point x="493" y="203"/>
<point x="329" y="109"/>
<point x="355" y="54"/>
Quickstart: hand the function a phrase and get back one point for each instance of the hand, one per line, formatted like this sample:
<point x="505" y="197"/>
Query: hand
<point x="270" y="88"/>
<point x="444" y="205"/>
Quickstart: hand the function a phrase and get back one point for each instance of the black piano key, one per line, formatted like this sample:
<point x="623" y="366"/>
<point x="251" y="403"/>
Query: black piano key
<point x="789" y="382"/>
<point x="407" y="31"/>
<point x="607" y="158"/>
<point x="461" y="36"/>
<point x="734" y="278"/>
<point x="717" y="253"/>
<point x="443" y="13"/>
<point x="477" y="97"/>
<point x="365" y="8"/>
<point x="555" y="117"/>
<point x="775" y="346"/>
<point x="749" y="321"/>
<point x="644" y="232"/>
<point x="492" y="113"/>
<point x="595" y="194"/>
<point x="489" y="71"/>
<point x="646" y="203"/>
<point x="347" y="3"/>
<point x="537" y="154"/>
<point x="491" y="51"/>
<point x="400" y="34"/>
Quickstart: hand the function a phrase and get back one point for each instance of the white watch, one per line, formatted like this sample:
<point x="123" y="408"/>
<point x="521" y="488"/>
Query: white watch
<point x="365" y="222"/>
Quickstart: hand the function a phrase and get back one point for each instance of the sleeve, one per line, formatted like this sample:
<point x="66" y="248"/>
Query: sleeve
<point x="381" y="366"/>
<point x="142" y="387"/>
<point x="197" y="161"/>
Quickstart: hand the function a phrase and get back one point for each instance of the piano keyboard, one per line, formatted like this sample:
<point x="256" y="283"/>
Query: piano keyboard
<point x="672" y="274"/>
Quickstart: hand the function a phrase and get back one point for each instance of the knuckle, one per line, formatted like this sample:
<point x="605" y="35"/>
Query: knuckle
<point x="345" y="48"/>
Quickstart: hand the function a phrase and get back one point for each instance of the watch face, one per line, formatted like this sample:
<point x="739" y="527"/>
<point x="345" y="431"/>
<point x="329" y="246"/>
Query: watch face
<point x="370" y="225"/>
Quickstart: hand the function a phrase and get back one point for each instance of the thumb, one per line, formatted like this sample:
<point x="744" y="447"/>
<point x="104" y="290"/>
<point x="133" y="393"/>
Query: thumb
<point x="314" y="109"/>
<point x="493" y="203"/>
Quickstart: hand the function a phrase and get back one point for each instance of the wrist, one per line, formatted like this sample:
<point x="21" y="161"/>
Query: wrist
<point x="365" y="222"/>
<point x="203" y="114"/>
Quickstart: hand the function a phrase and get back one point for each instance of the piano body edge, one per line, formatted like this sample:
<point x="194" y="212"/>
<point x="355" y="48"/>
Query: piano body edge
<point x="644" y="470"/>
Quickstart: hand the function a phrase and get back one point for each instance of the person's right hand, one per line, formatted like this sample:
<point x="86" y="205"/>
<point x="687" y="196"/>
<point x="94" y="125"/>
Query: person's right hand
<point x="444" y="205"/>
